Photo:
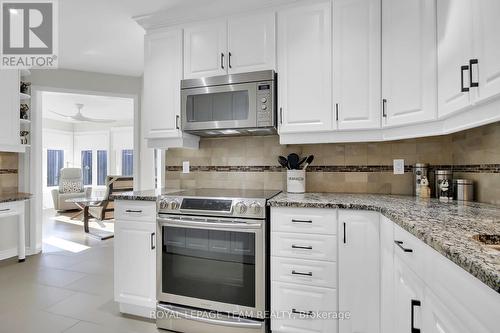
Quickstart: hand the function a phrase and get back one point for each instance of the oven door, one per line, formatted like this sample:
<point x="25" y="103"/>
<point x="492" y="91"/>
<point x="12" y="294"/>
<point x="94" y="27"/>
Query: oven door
<point x="229" y="106"/>
<point x="215" y="264"/>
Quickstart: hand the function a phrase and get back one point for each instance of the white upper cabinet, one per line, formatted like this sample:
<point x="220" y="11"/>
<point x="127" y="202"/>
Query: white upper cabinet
<point x="251" y="43"/>
<point x="205" y="46"/>
<point x="359" y="272"/>
<point x="9" y="109"/>
<point x="454" y="38"/>
<point x="356" y="63"/>
<point x="486" y="72"/>
<point x="304" y="68"/>
<point x="409" y="67"/>
<point x="162" y="76"/>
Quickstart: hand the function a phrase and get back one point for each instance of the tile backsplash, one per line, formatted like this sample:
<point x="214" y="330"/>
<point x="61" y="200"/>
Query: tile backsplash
<point x="8" y="172"/>
<point x="251" y="162"/>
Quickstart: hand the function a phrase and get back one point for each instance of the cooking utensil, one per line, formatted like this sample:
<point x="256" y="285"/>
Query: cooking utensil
<point x="302" y="161"/>
<point x="283" y="161"/>
<point x="309" y="160"/>
<point x="293" y="161"/>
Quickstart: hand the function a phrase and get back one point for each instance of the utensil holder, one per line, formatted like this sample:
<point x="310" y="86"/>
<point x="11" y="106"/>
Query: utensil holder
<point x="296" y="181"/>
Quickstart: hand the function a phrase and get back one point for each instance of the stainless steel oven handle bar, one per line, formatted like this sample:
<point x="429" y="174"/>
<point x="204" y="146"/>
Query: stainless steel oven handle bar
<point x="239" y="323"/>
<point x="208" y="225"/>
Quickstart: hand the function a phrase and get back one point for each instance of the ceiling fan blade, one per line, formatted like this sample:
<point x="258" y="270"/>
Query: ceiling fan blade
<point x="94" y="120"/>
<point x="62" y="115"/>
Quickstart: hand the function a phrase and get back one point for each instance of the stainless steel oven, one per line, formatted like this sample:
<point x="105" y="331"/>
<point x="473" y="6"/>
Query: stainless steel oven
<point x="211" y="259"/>
<point x="236" y="104"/>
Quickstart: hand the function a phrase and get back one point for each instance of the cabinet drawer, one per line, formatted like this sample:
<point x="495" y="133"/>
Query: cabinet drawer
<point x="287" y="299"/>
<point x="308" y="220"/>
<point x="305" y="272"/>
<point x="410" y="249"/>
<point x="135" y="210"/>
<point x="304" y="246"/>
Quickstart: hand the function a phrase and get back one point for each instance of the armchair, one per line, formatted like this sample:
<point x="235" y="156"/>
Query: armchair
<point x="70" y="186"/>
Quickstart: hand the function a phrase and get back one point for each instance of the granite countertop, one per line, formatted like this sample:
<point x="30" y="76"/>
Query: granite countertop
<point x="146" y="195"/>
<point x="446" y="227"/>
<point x="15" y="196"/>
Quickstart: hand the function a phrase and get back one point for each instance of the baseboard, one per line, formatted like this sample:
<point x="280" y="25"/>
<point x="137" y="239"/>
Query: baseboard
<point x="9" y="253"/>
<point x="136" y="310"/>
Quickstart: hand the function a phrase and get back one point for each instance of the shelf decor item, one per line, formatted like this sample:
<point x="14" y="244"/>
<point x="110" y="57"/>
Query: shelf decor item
<point x="25" y="87"/>
<point x="24" y="108"/>
<point x="24" y="137"/>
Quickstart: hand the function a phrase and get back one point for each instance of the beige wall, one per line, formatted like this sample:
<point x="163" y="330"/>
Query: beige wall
<point x="8" y="172"/>
<point x="221" y="162"/>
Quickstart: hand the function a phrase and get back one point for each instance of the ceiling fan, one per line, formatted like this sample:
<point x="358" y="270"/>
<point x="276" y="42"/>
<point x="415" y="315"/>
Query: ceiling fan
<point x="80" y="117"/>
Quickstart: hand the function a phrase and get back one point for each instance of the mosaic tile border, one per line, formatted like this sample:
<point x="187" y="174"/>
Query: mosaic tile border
<point x="8" y="171"/>
<point x="471" y="168"/>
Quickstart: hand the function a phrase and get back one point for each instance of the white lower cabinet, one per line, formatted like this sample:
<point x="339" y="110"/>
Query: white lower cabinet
<point x="135" y="257"/>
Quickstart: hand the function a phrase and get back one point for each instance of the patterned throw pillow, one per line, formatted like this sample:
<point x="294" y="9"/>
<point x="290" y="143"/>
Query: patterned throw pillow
<point x="71" y="186"/>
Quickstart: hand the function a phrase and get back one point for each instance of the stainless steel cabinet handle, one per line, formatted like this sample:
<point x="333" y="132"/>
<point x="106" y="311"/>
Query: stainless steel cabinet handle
<point x="222" y="60"/>
<point x="229" y="60"/>
<point x="153" y="241"/>
<point x="301" y="221"/>
<point x="304" y="313"/>
<point x="462" y="70"/>
<point x="177" y="118"/>
<point x="471" y="80"/>
<point x="302" y="247"/>
<point x="384" y="112"/>
<point x="414" y="303"/>
<point x="133" y="211"/>
<point x="400" y="245"/>
<point x="304" y="274"/>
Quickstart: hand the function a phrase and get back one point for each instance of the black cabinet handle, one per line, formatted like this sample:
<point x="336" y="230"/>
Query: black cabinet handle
<point x="177" y="118"/>
<point x="414" y="303"/>
<point x="153" y="241"/>
<point x="301" y="221"/>
<point x="471" y="80"/>
<point x="462" y="70"/>
<point x="303" y="313"/>
<point x="400" y="244"/>
<point x="4" y="210"/>
<point x="345" y="238"/>
<point x="337" y="111"/>
<point x="281" y="115"/>
<point x="229" y="60"/>
<point x="302" y="247"/>
<point x="304" y="274"/>
<point x="133" y="211"/>
<point x="384" y="103"/>
<point x="222" y="60"/>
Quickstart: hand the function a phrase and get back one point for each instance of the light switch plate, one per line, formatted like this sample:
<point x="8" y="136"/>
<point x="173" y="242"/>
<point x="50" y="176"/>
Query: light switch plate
<point x="399" y="167"/>
<point x="185" y="166"/>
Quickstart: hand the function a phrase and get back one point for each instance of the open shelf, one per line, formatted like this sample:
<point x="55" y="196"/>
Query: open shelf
<point x="25" y="72"/>
<point x="25" y="121"/>
<point x="24" y="96"/>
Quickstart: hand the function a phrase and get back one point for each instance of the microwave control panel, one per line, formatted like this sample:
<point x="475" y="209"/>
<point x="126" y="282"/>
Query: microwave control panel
<point x="264" y="104"/>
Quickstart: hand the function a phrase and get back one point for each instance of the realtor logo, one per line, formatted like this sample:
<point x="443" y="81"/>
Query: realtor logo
<point x="29" y="38"/>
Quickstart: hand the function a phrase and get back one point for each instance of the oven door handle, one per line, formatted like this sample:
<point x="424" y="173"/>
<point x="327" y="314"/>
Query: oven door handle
<point x="208" y="225"/>
<point x="170" y="310"/>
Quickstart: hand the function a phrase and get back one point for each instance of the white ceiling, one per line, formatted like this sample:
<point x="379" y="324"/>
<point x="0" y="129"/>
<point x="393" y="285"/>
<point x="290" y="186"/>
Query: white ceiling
<point x="101" y="36"/>
<point x="100" y="107"/>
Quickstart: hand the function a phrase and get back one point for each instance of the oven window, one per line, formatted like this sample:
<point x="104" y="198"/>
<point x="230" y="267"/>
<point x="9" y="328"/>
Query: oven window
<point x="209" y="265"/>
<point x="222" y="106"/>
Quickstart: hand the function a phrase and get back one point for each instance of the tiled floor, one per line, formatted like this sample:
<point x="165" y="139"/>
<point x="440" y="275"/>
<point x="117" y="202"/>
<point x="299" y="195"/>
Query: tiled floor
<point x="64" y="291"/>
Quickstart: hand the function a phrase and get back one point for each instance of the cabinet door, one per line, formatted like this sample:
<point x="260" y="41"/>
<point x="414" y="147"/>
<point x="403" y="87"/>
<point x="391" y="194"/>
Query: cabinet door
<point x="9" y="111"/>
<point x="251" y="43"/>
<point x="135" y="263"/>
<point x="386" y="275"/>
<point x="359" y="277"/>
<point x="304" y="68"/>
<point x="162" y="75"/>
<point x="408" y="295"/>
<point x="409" y="69"/>
<point x="486" y="48"/>
<point x="454" y="33"/>
<point x="356" y="57"/>
<point x="205" y="50"/>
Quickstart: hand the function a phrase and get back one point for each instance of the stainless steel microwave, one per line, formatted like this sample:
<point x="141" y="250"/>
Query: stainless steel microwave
<point x="235" y="104"/>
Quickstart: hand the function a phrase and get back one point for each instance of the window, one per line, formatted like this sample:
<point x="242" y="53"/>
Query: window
<point x="55" y="162"/>
<point x="102" y="167"/>
<point x="87" y="167"/>
<point x="127" y="162"/>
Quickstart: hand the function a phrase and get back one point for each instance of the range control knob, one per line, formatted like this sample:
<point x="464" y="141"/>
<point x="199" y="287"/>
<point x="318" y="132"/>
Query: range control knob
<point x="263" y="107"/>
<point x="263" y="99"/>
<point x="240" y="208"/>
<point x="174" y="205"/>
<point x="163" y="204"/>
<point x="255" y="208"/>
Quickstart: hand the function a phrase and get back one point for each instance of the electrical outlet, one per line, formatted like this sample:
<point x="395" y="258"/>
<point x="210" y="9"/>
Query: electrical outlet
<point x="399" y="167"/>
<point x="185" y="166"/>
